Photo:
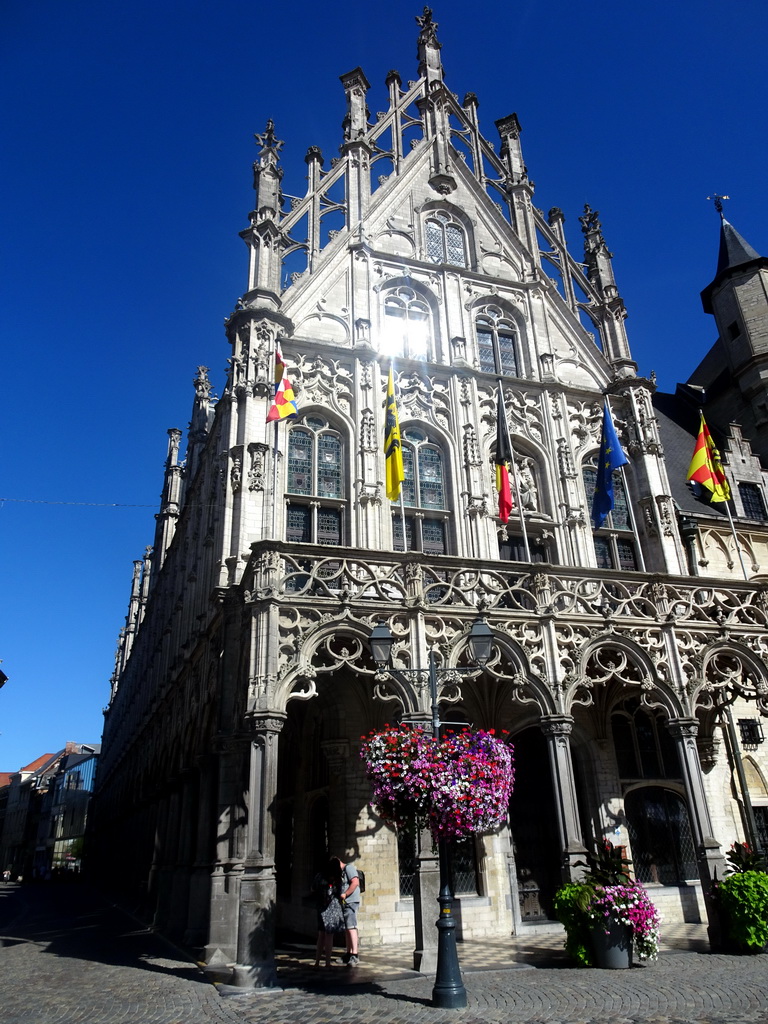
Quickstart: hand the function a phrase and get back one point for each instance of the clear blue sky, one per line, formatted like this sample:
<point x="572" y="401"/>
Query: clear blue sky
<point x="126" y="130"/>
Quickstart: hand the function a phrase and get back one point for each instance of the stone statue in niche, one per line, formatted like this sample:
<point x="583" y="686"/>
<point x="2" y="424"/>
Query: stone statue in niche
<point x="529" y="495"/>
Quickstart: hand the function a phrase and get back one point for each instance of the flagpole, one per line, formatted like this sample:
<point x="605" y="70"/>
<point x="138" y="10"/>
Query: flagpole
<point x="275" y="453"/>
<point x="513" y="467"/>
<point x="736" y="539"/>
<point x="632" y="520"/>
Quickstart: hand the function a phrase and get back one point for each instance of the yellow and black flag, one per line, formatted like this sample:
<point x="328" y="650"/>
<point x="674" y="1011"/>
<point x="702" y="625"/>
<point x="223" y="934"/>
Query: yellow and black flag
<point x="393" y="449"/>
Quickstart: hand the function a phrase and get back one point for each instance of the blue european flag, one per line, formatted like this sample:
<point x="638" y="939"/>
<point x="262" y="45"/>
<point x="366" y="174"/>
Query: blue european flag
<point x="611" y="457"/>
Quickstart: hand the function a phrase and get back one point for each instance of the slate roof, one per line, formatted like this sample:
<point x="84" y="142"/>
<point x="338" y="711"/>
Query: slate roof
<point x="678" y="420"/>
<point x="735" y="252"/>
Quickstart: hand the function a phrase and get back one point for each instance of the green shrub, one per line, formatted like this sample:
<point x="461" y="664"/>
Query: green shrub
<point x="570" y="903"/>
<point x="744" y="900"/>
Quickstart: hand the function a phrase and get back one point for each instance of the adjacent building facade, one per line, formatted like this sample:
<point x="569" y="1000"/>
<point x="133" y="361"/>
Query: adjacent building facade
<point x="622" y="657"/>
<point x="43" y="814"/>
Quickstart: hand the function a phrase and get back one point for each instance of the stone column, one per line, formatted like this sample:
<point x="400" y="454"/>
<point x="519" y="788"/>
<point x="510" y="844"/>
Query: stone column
<point x="557" y="729"/>
<point x="255" y="967"/>
<point x="708" y="854"/>
<point x="203" y="853"/>
<point x="165" y="849"/>
<point x="179" y="900"/>
<point x="425" y="908"/>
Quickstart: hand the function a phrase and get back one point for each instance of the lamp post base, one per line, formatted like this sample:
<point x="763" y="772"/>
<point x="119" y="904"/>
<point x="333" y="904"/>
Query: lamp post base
<point x="449" y="992"/>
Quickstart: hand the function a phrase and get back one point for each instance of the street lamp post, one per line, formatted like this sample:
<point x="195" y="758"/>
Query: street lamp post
<point x="448" y="992"/>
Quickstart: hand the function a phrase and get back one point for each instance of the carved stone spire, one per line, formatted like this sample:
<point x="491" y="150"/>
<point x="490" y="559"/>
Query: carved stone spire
<point x="263" y="236"/>
<point x="202" y="417"/>
<point x="428" y="49"/>
<point x="610" y="310"/>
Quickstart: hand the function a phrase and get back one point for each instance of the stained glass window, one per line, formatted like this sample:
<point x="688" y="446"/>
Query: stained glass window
<point x="407" y="321"/>
<point x="300" y="450"/>
<point x="752" y="500"/>
<point x="615" y="543"/>
<point x="315" y="469"/>
<point x="423" y="489"/>
<point x="496" y="342"/>
<point x="445" y="240"/>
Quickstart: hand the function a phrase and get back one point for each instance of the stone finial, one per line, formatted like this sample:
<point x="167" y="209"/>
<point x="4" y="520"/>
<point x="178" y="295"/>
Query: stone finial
<point x="590" y="222"/>
<point x="428" y="48"/>
<point x="270" y="145"/>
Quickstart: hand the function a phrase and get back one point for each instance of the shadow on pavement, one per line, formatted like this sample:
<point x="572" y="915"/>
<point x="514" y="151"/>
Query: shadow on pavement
<point x="74" y="921"/>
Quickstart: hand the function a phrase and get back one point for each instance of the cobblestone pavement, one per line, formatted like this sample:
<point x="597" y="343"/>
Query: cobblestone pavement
<point x="67" y="957"/>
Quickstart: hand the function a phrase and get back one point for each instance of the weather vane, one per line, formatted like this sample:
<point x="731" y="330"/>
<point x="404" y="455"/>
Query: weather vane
<point x="718" y="200"/>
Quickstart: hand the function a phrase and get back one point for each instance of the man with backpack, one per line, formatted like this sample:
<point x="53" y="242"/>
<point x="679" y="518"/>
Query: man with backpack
<point x="350" y="901"/>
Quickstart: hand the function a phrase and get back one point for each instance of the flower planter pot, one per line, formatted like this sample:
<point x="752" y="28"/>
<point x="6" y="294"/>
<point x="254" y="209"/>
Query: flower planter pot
<point x="612" y="945"/>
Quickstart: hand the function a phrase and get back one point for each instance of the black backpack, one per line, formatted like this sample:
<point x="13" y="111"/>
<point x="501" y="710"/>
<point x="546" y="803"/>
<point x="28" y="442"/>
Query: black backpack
<point x="360" y="878"/>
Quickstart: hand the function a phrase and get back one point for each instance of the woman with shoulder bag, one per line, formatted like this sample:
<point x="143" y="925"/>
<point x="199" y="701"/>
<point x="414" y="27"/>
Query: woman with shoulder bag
<point x="330" y="916"/>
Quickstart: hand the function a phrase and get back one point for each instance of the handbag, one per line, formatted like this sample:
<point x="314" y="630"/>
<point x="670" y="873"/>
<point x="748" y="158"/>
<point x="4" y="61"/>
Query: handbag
<point x="333" y="916"/>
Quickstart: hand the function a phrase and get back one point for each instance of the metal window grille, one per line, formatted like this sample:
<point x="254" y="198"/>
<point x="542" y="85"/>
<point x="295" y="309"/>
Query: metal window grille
<point x="464" y="867"/>
<point x="751" y="731"/>
<point x="407" y="864"/>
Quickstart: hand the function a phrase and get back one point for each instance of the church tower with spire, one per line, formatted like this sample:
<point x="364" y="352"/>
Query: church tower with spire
<point x="244" y="679"/>
<point x="735" y="371"/>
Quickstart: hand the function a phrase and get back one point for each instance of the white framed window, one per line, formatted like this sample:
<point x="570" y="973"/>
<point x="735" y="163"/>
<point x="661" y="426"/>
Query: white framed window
<point x="497" y="342"/>
<point x="315" y="482"/>
<point x="407" y="324"/>
<point x="425" y="498"/>
<point x="445" y="241"/>
<point x="615" y="542"/>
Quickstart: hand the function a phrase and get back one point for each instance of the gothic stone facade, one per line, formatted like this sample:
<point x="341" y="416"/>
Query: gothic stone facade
<point x="244" y="680"/>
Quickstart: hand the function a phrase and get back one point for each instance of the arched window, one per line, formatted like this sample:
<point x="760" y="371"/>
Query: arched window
<point x="660" y="834"/>
<point x="407" y="324"/>
<point x="424" y="489"/>
<point x="615" y="541"/>
<point x="643" y="745"/>
<point x="497" y="342"/>
<point x="316" y="472"/>
<point x="445" y="242"/>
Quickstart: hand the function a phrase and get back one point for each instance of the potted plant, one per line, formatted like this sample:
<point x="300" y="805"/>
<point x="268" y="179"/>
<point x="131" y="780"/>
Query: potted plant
<point x="608" y="916"/>
<point x="742" y="899"/>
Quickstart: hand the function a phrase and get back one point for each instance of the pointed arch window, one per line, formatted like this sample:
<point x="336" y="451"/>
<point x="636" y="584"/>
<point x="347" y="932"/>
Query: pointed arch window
<point x="445" y="240"/>
<point x="497" y="342"/>
<point x="424" y="496"/>
<point x="407" y="324"/>
<point x="615" y="542"/>
<point x="315" y="483"/>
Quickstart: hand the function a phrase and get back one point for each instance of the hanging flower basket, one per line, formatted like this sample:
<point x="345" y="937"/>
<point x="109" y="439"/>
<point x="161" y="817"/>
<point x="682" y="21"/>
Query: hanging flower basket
<point x="458" y="787"/>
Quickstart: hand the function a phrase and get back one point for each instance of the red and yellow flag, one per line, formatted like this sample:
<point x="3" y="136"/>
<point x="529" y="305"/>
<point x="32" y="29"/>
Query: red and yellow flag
<point x="284" y="404"/>
<point x="706" y="468"/>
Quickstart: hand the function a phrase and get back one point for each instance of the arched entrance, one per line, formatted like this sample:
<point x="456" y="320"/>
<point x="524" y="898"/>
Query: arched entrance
<point x="533" y="825"/>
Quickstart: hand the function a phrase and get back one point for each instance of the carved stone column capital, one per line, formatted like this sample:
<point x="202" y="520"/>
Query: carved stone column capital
<point x="685" y="728"/>
<point x="259" y="722"/>
<point x="556" y="725"/>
